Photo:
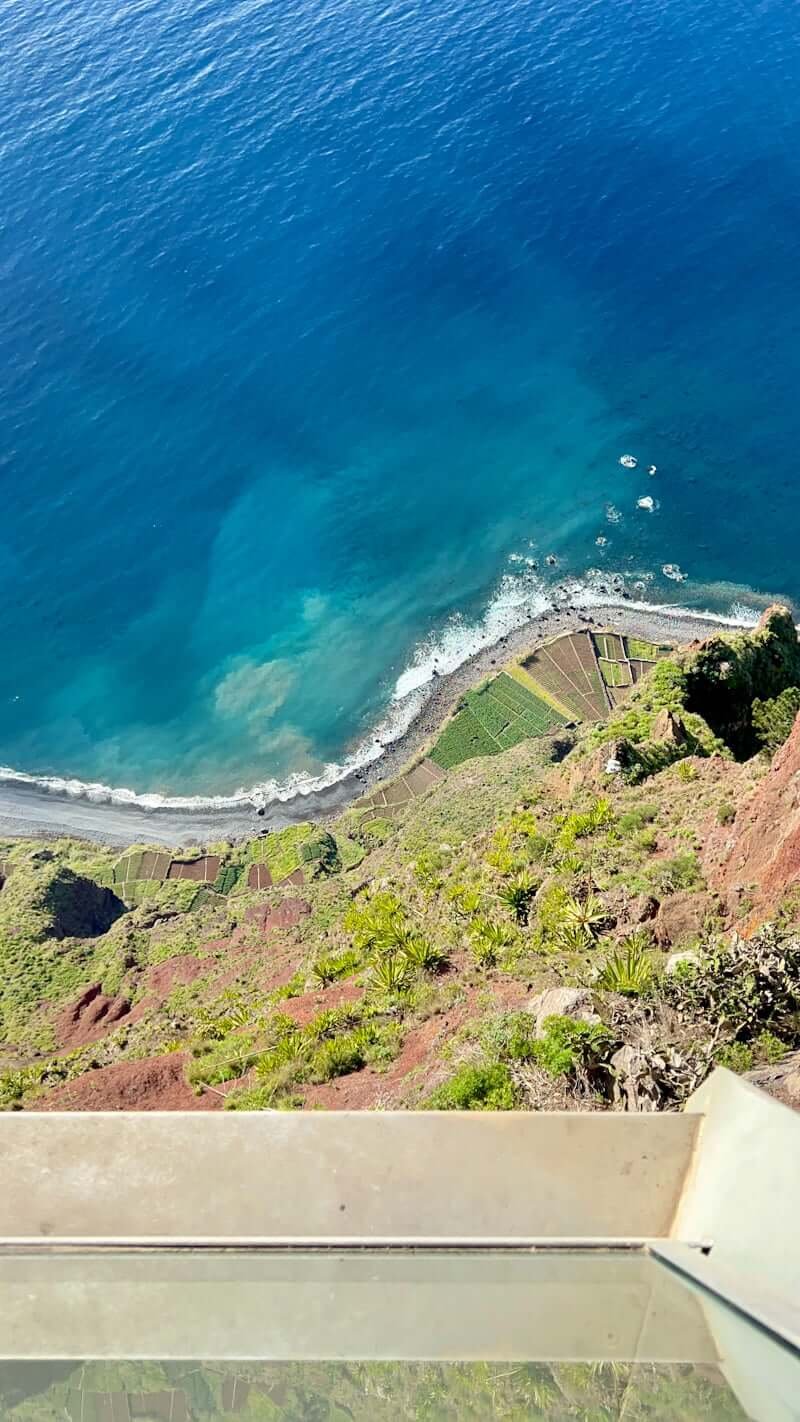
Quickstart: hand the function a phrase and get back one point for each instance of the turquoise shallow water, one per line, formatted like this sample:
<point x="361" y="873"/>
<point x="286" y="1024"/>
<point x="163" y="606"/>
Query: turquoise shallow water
<point x="317" y="321"/>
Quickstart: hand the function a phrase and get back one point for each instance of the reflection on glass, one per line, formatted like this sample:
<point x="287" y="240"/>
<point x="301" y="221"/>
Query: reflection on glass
<point x="377" y="1336"/>
<point x="363" y="1392"/>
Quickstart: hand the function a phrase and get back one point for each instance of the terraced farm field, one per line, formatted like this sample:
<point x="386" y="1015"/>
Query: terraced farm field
<point x="282" y="852"/>
<point x="494" y="718"/>
<point x="567" y="670"/>
<point x="609" y="645"/>
<point x="405" y="788"/>
<point x="615" y="673"/>
<point x="642" y="651"/>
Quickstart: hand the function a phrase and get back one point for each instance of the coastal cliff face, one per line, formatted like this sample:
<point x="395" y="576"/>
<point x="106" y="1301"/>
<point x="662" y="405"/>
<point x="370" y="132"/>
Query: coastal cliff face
<point x="755" y="860"/>
<point x="590" y="919"/>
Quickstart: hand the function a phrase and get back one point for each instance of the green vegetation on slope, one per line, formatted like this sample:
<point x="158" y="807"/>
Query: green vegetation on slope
<point x="493" y="719"/>
<point x="413" y="971"/>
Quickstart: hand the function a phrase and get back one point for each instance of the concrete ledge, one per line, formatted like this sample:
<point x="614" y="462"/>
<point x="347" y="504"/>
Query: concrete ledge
<point x="742" y="1196"/>
<point x="348" y="1175"/>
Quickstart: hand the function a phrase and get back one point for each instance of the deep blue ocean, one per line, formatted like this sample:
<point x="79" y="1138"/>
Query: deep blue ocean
<point x="318" y="320"/>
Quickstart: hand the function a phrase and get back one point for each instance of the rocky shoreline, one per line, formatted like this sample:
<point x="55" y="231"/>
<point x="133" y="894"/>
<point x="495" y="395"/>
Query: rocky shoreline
<point x="29" y="811"/>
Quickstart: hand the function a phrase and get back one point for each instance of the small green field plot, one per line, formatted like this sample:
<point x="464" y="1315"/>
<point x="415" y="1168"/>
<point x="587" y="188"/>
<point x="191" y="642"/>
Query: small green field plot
<point x="227" y="878"/>
<point x="204" y="897"/>
<point x="523" y="702"/>
<point x="160" y="893"/>
<point x="493" y="719"/>
<point x="609" y="645"/>
<point x="281" y="850"/>
<point x="377" y="830"/>
<point x="615" y="673"/>
<point x="139" y="891"/>
<point x="642" y="651"/>
<point x="350" y="852"/>
<point x="520" y="674"/>
<point x="129" y="867"/>
<point x="462" y="739"/>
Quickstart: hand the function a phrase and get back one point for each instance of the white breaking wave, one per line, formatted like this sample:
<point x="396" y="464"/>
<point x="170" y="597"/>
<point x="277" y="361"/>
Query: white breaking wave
<point x="389" y="729"/>
<point x="519" y="599"/>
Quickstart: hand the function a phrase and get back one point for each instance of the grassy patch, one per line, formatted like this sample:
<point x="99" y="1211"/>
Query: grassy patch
<point x="482" y="1087"/>
<point x="614" y="673"/>
<point x="281" y="850"/>
<point x="493" y="719"/>
<point x="642" y="651"/>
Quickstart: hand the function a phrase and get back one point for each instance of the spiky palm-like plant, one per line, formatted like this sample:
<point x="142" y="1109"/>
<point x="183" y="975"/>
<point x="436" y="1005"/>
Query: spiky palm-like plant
<point x="518" y="895"/>
<point x="389" y="973"/>
<point x="421" y="954"/>
<point x="488" y="938"/>
<point x="628" y="970"/>
<point x="588" y="914"/>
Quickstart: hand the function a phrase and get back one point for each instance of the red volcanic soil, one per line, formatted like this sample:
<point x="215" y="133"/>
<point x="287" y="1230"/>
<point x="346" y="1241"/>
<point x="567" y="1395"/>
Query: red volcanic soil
<point x="93" y="1014"/>
<point x="418" y="1068"/>
<point x="759" y="854"/>
<point x="160" y="980"/>
<point x="155" y="1084"/>
<point x="89" y="1017"/>
<point x="287" y="914"/>
<point x="309" y="1004"/>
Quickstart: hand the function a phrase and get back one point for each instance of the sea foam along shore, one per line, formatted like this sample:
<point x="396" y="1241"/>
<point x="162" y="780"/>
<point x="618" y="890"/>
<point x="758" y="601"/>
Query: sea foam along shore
<point x="441" y="670"/>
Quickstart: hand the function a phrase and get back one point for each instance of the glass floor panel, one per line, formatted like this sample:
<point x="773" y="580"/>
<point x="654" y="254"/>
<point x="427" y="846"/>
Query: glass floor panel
<point x="191" y="1336"/>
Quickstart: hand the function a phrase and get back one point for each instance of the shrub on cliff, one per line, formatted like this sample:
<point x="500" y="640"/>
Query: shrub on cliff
<point x="745" y="989"/>
<point x="726" y="675"/>
<point x="641" y="747"/>
<point x="486" y="1086"/>
<point x="773" y="719"/>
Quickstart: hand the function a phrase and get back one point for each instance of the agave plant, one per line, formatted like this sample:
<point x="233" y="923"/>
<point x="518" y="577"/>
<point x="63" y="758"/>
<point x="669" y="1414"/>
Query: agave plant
<point x="518" y="894"/>
<point x="421" y="954"/>
<point x="628" y="970"/>
<point x="324" y="971"/>
<point x="389" y="973"/>
<point x="465" y="899"/>
<point x="587" y="914"/>
<point x="484" y="952"/>
<point x="524" y="822"/>
<point x="573" y="938"/>
<point x="335" y="1019"/>
<point x="327" y="968"/>
<point x="290" y="1051"/>
<point x="377" y="922"/>
<point x="488" y="939"/>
